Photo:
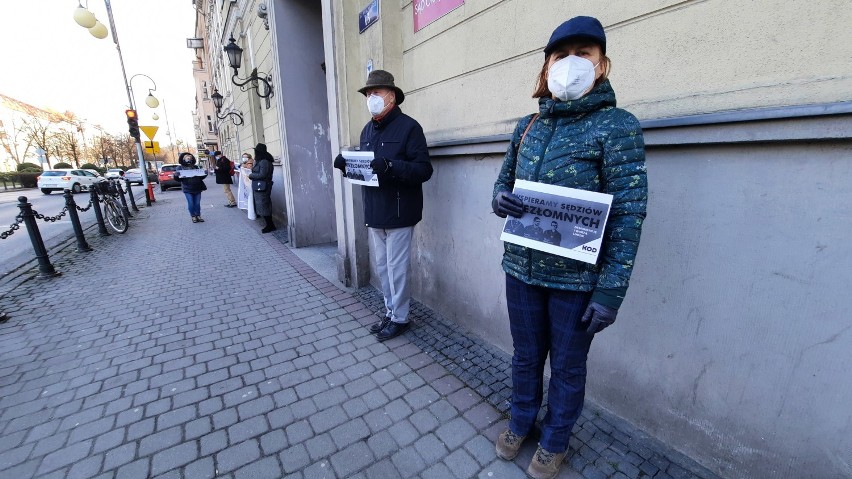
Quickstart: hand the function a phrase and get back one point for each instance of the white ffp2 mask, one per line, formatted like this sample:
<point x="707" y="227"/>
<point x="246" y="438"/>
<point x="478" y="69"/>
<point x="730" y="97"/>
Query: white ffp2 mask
<point x="571" y="77"/>
<point x="376" y="104"/>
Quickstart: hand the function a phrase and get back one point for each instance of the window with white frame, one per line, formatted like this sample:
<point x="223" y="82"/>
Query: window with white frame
<point x="211" y="126"/>
<point x="204" y="90"/>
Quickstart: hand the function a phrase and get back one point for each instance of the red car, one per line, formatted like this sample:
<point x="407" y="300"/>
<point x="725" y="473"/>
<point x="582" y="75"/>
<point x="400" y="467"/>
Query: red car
<point x="166" y="177"/>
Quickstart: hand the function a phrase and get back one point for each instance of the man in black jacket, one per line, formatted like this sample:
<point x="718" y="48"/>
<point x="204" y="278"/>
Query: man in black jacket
<point x="224" y="176"/>
<point x="401" y="161"/>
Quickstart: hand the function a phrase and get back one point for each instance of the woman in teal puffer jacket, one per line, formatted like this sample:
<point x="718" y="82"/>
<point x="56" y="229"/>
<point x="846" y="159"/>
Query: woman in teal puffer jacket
<point x="578" y="139"/>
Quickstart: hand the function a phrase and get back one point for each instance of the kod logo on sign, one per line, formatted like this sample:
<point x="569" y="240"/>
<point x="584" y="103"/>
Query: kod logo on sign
<point x="590" y="249"/>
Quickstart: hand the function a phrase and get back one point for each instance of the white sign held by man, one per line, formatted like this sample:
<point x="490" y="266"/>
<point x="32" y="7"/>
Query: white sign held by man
<point x="558" y="220"/>
<point x="358" y="170"/>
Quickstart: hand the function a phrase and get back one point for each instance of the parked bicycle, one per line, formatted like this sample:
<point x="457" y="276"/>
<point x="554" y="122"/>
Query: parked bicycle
<point x="108" y="191"/>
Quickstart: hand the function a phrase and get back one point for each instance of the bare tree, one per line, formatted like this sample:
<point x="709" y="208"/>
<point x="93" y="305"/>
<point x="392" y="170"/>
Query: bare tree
<point x="68" y="146"/>
<point x="11" y="139"/>
<point x="40" y="133"/>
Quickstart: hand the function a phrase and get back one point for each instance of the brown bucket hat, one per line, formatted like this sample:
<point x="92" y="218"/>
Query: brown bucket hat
<point x="381" y="78"/>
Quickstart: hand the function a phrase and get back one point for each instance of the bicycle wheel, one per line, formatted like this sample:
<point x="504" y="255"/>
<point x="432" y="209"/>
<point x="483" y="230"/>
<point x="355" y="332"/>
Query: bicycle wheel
<point x="115" y="217"/>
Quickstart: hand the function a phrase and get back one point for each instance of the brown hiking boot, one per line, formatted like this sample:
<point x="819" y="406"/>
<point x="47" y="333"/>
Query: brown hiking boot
<point x="545" y="465"/>
<point x="508" y="444"/>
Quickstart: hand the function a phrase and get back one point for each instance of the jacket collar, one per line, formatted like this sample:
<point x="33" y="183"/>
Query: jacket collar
<point x="601" y="96"/>
<point x="389" y="117"/>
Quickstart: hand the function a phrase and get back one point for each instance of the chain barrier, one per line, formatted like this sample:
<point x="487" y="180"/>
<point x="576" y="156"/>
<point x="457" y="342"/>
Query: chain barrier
<point x="51" y="218"/>
<point x="13" y="227"/>
<point x="87" y="208"/>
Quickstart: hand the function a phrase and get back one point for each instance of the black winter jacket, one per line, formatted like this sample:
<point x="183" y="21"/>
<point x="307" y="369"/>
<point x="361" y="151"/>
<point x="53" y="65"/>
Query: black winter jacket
<point x="398" y="200"/>
<point x="223" y="171"/>
<point x="192" y="184"/>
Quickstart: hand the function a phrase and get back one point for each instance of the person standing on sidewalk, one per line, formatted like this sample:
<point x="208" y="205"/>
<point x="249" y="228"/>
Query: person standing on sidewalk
<point x="224" y="170"/>
<point x="391" y="210"/>
<point x="261" y="185"/>
<point x="579" y="139"/>
<point x="192" y="186"/>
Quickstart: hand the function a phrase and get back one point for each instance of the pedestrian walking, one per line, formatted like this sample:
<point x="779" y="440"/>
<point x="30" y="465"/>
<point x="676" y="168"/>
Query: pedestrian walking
<point x="192" y="186"/>
<point x="261" y="186"/>
<point x="224" y="170"/>
<point x="556" y="304"/>
<point x="392" y="209"/>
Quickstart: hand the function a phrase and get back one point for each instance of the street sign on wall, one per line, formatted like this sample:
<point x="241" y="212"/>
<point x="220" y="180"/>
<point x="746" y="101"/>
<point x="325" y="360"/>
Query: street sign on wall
<point x="427" y="11"/>
<point x="368" y="16"/>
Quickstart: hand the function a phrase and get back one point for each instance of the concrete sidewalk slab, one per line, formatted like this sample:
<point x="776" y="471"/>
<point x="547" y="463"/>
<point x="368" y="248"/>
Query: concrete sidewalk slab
<point x="211" y="350"/>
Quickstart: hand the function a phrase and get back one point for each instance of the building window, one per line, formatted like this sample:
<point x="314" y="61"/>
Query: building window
<point x="211" y="127"/>
<point x="204" y="90"/>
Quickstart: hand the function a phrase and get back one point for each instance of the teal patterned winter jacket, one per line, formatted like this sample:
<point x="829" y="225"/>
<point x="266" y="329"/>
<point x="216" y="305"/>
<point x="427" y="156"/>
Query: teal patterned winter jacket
<point x="586" y="144"/>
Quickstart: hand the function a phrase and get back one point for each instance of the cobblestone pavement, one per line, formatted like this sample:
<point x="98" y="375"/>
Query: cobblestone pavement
<point x="182" y="350"/>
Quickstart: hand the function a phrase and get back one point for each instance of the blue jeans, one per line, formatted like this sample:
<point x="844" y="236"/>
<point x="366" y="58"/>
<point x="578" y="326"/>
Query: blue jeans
<point x="543" y="321"/>
<point x="193" y="203"/>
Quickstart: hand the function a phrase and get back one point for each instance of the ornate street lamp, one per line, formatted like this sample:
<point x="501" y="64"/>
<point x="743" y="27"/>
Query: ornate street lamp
<point x="217" y="102"/>
<point x="235" y="57"/>
<point x="84" y="17"/>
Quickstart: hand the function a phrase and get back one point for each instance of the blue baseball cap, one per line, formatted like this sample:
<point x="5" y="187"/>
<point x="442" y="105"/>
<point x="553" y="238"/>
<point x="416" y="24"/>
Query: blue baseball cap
<point x="577" y="28"/>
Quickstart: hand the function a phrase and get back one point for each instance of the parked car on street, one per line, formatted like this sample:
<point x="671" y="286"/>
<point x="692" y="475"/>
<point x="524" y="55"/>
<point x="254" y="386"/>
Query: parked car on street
<point x="134" y="175"/>
<point x="166" y="177"/>
<point x="59" y="180"/>
<point x="114" y="173"/>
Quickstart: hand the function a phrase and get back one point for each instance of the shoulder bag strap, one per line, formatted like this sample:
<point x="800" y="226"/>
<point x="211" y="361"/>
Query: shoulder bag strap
<point x="526" y="131"/>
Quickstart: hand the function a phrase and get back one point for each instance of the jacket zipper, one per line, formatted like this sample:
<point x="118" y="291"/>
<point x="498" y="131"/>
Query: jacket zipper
<point x="535" y="178"/>
<point x="397" y="204"/>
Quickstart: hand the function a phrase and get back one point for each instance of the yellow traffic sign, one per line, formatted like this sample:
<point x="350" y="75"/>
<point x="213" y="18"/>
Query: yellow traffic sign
<point x="150" y="131"/>
<point x="152" y="147"/>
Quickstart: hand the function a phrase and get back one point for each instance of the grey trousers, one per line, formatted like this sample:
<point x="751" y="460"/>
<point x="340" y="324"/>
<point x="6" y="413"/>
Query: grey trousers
<point x="391" y="251"/>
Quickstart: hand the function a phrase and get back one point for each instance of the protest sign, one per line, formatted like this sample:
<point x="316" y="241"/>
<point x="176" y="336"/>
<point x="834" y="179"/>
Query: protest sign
<point x="358" y="170"/>
<point x="245" y="201"/>
<point x="558" y="220"/>
<point x="192" y="172"/>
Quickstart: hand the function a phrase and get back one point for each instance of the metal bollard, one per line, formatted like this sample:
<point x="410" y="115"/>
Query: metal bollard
<point x="45" y="268"/>
<point x="130" y="195"/>
<point x="124" y="209"/>
<point x="75" y="222"/>
<point x="99" y="216"/>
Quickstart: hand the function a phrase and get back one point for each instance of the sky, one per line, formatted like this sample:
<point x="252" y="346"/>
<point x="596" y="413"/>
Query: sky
<point x="51" y="62"/>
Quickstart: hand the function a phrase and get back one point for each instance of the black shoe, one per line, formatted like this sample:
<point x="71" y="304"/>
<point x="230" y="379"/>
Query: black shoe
<point x="377" y="327"/>
<point x="392" y="330"/>
<point x="199" y="219"/>
<point x="268" y="229"/>
<point x="229" y="206"/>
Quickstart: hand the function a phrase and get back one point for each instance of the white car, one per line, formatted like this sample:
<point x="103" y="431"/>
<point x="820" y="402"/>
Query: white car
<point x="59" y="180"/>
<point x="114" y="173"/>
<point x="133" y="175"/>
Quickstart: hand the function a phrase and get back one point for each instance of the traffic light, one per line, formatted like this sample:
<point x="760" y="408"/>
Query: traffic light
<point x="133" y="123"/>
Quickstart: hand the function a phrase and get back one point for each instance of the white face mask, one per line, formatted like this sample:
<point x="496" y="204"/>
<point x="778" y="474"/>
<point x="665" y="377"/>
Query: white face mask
<point x="571" y="77"/>
<point x="376" y="104"/>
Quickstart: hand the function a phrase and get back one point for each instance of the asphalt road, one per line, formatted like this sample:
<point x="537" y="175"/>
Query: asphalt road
<point x="17" y="249"/>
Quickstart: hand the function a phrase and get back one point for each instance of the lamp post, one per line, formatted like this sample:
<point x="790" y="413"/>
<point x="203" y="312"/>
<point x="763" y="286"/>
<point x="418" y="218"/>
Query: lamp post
<point x="218" y="99"/>
<point x="83" y="17"/>
<point x="235" y="59"/>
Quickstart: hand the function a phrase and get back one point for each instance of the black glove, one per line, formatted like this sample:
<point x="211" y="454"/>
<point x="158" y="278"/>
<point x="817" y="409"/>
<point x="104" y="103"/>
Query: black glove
<point x="599" y="317"/>
<point x="506" y="203"/>
<point x="380" y="165"/>
<point x="340" y="163"/>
